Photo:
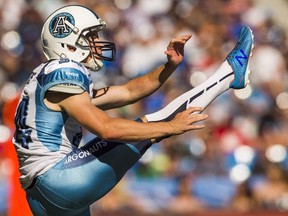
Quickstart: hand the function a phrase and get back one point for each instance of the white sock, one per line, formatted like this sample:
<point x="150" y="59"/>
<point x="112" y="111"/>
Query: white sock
<point x="200" y="96"/>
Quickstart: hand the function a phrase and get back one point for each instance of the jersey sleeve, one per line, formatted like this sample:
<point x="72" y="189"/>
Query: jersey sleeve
<point x="64" y="79"/>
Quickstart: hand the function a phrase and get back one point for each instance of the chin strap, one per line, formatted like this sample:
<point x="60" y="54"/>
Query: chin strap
<point x="94" y="64"/>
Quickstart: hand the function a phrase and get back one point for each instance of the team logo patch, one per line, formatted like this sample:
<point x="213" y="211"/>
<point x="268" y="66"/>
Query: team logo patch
<point x="58" y="28"/>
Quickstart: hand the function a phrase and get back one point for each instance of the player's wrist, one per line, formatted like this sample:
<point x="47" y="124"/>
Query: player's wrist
<point x="170" y="65"/>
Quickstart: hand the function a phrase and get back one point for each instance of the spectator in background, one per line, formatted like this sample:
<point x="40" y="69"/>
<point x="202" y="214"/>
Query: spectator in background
<point x="184" y="202"/>
<point x="271" y="193"/>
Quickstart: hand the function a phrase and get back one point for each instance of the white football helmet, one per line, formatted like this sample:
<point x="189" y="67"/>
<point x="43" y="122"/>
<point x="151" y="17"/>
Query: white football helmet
<point x="70" y="32"/>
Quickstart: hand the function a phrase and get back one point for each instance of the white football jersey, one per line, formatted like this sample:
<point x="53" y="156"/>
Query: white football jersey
<point x="43" y="136"/>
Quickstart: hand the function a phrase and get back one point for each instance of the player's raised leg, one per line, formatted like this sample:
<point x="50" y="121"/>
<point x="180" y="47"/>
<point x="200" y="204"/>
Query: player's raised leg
<point x="233" y="73"/>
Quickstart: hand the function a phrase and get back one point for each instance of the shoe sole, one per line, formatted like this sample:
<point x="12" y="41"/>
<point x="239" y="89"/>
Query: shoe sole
<point x="248" y="71"/>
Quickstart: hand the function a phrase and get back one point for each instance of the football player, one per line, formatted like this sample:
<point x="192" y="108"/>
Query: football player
<point x="62" y="178"/>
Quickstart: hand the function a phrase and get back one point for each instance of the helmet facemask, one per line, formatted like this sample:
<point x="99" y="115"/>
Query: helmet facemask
<point x="99" y="50"/>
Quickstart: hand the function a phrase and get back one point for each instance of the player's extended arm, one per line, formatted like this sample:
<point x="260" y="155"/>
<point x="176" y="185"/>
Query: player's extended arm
<point x="140" y="87"/>
<point x="80" y="108"/>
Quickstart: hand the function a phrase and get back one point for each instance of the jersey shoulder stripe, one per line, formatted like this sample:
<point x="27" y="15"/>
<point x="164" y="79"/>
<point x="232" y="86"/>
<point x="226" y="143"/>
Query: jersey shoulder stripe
<point x="68" y="75"/>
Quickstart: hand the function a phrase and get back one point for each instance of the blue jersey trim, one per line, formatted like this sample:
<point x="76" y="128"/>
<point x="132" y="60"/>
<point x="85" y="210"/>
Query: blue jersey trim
<point x="48" y="132"/>
<point x="63" y="76"/>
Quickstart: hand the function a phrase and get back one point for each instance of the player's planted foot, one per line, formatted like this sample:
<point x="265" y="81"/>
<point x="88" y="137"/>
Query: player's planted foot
<point x="239" y="58"/>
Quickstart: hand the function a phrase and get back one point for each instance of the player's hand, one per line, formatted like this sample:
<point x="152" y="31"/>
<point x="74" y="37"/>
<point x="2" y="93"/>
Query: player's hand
<point x="175" y="49"/>
<point x="185" y="121"/>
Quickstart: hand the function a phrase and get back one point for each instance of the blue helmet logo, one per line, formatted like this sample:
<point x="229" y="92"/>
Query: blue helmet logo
<point x="58" y="28"/>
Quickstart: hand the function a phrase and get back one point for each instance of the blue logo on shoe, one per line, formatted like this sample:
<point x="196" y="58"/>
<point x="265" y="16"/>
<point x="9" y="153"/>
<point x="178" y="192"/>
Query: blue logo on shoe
<point x="239" y="57"/>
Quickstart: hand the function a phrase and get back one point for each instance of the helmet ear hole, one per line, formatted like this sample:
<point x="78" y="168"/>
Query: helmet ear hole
<point x="71" y="48"/>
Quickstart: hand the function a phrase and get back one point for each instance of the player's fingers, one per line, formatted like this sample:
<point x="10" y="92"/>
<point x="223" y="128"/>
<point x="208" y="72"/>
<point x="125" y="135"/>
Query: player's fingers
<point x="168" y="52"/>
<point x="194" y="114"/>
<point x="198" y="117"/>
<point x="181" y="39"/>
<point x="192" y="110"/>
<point x="198" y="126"/>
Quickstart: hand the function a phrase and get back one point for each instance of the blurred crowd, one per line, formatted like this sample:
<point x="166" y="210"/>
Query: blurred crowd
<point x="238" y="162"/>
